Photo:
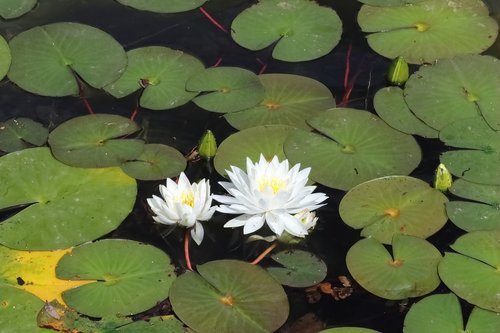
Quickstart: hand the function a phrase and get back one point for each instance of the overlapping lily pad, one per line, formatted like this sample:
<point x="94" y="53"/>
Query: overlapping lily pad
<point x="410" y="272"/>
<point x="5" y="57"/>
<point x="481" y="214"/>
<point x="18" y="310"/>
<point x="95" y="141"/>
<point x="229" y="296"/>
<point x="301" y="29"/>
<point x="418" y="32"/>
<point x="479" y="159"/>
<point x="21" y="133"/>
<point x="442" y="314"/>
<point x="10" y="9"/>
<point x="392" y="205"/>
<point x="352" y="146"/>
<point x="472" y="273"/>
<point x="251" y="142"/>
<point x="454" y="89"/>
<point x="65" y="206"/>
<point x="162" y="6"/>
<point x="226" y="89"/>
<point x="289" y="100"/>
<point x="389" y="3"/>
<point x="162" y="73"/>
<point x="391" y="107"/>
<point x="126" y="284"/>
<point x="46" y="58"/>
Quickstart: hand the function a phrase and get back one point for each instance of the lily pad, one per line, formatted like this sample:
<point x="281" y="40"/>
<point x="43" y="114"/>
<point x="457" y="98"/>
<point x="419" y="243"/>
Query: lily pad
<point x="301" y="29"/>
<point x="482" y="214"/>
<point x="391" y="107"/>
<point x="65" y="206"/>
<point x="349" y="330"/>
<point x="46" y="58"/>
<point x="95" y="140"/>
<point x="162" y="73"/>
<point x="389" y="3"/>
<point x="156" y="162"/>
<point x="289" y="100"/>
<point x="21" y="133"/>
<point x="299" y="269"/>
<point x="226" y="89"/>
<point x="416" y="32"/>
<point x="10" y="9"/>
<point x="162" y="6"/>
<point x="472" y="273"/>
<point x="229" y="296"/>
<point x="392" y="205"/>
<point x="18" y="310"/>
<point x="352" y="146"/>
<point x="410" y="272"/>
<point x="5" y="57"/>
<point x="126" y="284"/>
<point x="267" y="140"/>
<point x="477" y="162"/>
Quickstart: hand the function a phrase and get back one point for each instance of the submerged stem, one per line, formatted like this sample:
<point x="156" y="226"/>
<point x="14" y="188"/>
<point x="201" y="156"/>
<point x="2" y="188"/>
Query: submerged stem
<point x="265" y="253"/>
<point x="186" y="250"/>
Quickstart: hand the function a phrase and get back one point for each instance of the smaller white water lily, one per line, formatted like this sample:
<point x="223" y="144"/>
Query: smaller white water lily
<point x="184" y="204"/>
<point x="272" y="193"/>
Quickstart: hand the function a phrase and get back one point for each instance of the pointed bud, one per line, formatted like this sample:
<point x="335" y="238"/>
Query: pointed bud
<point x="443" y="178"/>
<point x="207" y="146"/>
<point x="398" y="72"/>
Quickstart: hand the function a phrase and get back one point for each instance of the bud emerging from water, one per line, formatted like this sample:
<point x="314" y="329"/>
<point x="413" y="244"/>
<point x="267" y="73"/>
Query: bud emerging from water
<point x="443" y="178"/>
<point x="207" y="146"/>
<point x="398" y="72"/>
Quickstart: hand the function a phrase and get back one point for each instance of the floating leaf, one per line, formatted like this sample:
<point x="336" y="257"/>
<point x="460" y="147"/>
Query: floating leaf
<point x="393" y="205"/>
<point x="349" y="330"/>
<point x="301" y="29"/>
<point x="289" y="100"/>
<point x="267" y="140"/>
<point x="162" y="6"/>
<point x="442" y="314"/>
<point x="484" y="214"/>
<point x="5" y="57"/>
<point x="46" y="58"/>
<point x="21" y="133"/>
<point x="226" y="89"/>
<point x="18" y="310"/>
<point x="454" y="89"/>
<point x="162" y="72"/>
<point x="299" y="269"/>
<point x="391" y="107"/>
<point x="352" y="146"/>
<point x="156" y="162"/>
<point x="389" y="3"/>
<point x="229" y="296"/>
<point x="10" y="9"/>
<point x="64" y="206"/>
<point x="417" y="31"/>
<point x="95" y="140"/>
<point x="125" y="284"/>
<point x="410" y="272"/>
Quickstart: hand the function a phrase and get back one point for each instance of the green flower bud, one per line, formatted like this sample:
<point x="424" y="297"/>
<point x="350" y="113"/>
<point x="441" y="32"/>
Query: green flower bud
<point x="398" y="71"/>
<point x="442" y="179"/>
<point x="207" y="146"/>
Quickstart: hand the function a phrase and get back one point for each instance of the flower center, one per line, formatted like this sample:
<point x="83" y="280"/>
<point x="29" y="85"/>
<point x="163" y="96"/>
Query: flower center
<point x="274" y="183"/>
<point x="187" y="198"/>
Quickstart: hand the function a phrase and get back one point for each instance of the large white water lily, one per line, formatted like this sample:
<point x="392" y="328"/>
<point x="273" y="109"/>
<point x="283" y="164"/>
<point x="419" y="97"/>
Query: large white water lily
<point x="269" y="192"/>
<point x="185" y="204"/>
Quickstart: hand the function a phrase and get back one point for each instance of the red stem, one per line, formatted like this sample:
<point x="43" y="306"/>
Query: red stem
<point x="81" y="94"/>
<point x="217" y="24"/>
<point x="263" y="254"/>
<point x="217" y="63"/>
<point x="186" y="250"/>
<point x="347" y="65"/>
<point x="262" y="64"/>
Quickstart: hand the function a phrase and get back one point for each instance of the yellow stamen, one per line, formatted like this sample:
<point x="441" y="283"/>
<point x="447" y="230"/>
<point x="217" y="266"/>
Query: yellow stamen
<point x="274" y="183"/>
<point x="187" y="198"/>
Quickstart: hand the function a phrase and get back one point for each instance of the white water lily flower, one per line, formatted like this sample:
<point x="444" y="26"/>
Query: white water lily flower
<point x="269" y="192"/>
<point x="185" y="204"/>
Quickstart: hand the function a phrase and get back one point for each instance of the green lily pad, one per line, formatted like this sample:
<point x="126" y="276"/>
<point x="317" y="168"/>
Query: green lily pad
<point x="267" y="140"/>
<point x="18" y="310"/>
<point x="410" y="272"/>
<point x="454" y="89"/>
<point x="164" y="324"/>
<point x="483" y="214"/>
<point x="46" y="58"/>
<point x="126" y="284"/>
<point x="352" y="146"/>
<point x="21" y="133"/>
<point x="229" y="296"/>
<point x="472" y="273"/>
<point x="289" y="100"/>
<point x="392" y="205"/>
<point x="10" y="9"/>
<point x="391" y="107"/>
<point x="299" y="269"/>
<point x="416" y="32"/>
<point x="442" y="314"/>
<point x="162" y="6"/>
<point x="389" y="3"/>
<point x="227" y="89"/>
<point x="67" y="205"/>
<point x="5" y="57"/>
<point x="162" y="71"/>
<point x="348" y="330"/>
<point x="301" y="29"/>
<point x="156" y="162"/>
<point x="95" y="140"/>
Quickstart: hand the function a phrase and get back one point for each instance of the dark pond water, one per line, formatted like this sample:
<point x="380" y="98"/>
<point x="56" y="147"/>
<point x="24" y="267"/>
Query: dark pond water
<point x="182" y="127"/>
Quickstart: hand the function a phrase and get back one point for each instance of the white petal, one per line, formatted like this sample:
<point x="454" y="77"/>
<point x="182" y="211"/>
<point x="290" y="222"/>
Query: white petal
<point x="293" y="226"/>
<point x="254" y="223"/>
<point x="197" y="233"/>
<point x="275" y="222"/>
<point x="238" y="221"/>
